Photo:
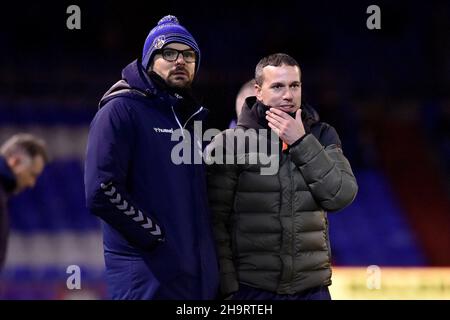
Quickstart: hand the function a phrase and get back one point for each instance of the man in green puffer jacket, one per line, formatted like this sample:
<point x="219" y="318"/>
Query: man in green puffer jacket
<point x="271" y="227"/>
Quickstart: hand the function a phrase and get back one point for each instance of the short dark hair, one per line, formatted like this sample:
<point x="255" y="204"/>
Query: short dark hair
<point x="28" y="143"/>
<point x="276" y="60"/>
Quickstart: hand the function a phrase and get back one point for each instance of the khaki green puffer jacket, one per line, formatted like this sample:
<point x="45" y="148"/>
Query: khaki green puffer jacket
<point x="272" y="230"/>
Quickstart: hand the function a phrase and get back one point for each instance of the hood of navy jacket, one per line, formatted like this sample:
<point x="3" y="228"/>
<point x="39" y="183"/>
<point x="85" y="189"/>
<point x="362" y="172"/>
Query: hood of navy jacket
<point x="136" y="83"/>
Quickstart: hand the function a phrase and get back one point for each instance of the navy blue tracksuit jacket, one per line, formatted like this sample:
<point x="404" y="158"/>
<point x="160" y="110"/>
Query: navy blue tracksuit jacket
<point x="157" y="236"/>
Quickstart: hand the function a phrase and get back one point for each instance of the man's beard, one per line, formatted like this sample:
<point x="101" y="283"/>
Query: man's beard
<point x="179" y="84"/>
<point x="184" y="84"/>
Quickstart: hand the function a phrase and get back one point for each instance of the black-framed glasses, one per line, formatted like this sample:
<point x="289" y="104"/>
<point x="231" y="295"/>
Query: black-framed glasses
<point x="171" y="55"/>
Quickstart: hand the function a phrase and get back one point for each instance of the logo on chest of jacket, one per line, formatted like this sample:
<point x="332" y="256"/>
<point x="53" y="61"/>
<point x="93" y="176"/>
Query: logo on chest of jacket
<point x="163" y="130"/>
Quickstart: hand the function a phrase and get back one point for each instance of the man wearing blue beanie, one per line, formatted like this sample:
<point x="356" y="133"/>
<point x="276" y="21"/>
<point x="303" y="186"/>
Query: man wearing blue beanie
<point x="157" y="235"/>
<point x="167" y="31"/>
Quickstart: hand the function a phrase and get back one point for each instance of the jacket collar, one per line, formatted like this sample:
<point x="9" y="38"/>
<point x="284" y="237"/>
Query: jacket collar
<point x="253" y="114"/>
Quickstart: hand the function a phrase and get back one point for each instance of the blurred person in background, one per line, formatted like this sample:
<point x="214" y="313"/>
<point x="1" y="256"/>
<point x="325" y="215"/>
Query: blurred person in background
<point x="157" y="234"/>
<point x="22" y="160"/>
<point x="271" y="230"/>
<point x="247" y="90"/>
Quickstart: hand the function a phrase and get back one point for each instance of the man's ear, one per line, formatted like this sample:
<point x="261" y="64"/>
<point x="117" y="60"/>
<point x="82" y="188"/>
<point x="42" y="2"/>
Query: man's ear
<point x="258" y="91"/>
<point x="13" y="161"/>
<point x="18" y="161"/>
<point x="150" y="67"/>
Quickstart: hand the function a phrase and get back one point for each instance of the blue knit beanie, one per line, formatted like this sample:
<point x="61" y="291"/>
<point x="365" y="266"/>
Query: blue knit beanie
<point x="167" y="31"/>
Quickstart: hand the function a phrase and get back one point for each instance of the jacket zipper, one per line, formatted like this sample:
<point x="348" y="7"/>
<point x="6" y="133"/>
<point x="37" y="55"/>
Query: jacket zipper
<point x="178" y="121"/>
<point x="193" y="115"/>
<point x="182" y="133"/>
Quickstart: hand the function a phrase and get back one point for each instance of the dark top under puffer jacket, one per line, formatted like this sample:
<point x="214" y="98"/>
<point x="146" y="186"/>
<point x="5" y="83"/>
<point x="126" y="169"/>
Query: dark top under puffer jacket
<point x="272" y="230"/>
